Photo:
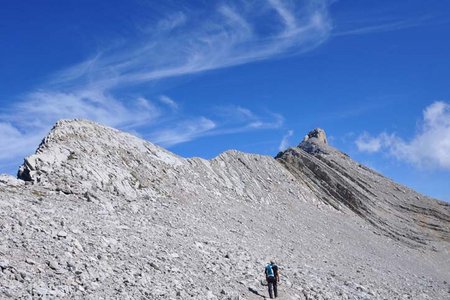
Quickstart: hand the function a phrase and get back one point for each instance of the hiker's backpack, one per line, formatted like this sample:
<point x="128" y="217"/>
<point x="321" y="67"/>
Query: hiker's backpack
<point x="269" y="271"/>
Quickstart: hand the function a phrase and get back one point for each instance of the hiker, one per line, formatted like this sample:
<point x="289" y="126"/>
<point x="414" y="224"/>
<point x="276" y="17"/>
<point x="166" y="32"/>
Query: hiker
<point x="272" y="277"/>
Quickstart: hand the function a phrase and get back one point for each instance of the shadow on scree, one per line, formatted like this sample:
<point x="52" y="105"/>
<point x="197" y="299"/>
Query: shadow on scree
<point x="254" y="291"/>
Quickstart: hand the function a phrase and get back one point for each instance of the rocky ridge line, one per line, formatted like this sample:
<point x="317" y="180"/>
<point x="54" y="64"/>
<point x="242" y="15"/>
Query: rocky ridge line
<point x="395" y="210"/>
<point x="108" y="215"/>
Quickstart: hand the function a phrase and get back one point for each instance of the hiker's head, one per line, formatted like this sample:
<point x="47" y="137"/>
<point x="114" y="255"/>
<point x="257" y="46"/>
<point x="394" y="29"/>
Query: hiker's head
<point x="272" y="262"/>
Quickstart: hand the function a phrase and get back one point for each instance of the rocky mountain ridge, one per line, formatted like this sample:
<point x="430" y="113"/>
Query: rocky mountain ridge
<point x="396" y="210"/>
<point x="98" y="213"/>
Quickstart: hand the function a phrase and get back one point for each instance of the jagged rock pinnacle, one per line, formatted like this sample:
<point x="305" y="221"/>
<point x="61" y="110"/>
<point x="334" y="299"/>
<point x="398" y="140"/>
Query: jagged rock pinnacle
<point x="317" y="133"/>
<point x="315" y="142"/>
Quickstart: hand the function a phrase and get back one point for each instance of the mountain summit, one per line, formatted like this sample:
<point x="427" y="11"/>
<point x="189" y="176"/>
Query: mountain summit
<point x="317" y="134"/>
<point x="99" y="213"/>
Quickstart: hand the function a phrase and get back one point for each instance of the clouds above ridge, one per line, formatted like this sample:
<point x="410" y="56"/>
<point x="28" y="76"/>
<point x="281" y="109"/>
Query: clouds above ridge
<point x="183" y="42"/>
<point x="160" y="121"/>
<point x="23" y="125"/>
<point x="222" y="120"/>
<point x="429" y="148"/>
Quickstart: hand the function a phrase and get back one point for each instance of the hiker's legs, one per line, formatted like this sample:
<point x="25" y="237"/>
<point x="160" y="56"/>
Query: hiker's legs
<point x="270" y="285"/>
<point x="275" y="292"/>
<point x="270" y="290"/>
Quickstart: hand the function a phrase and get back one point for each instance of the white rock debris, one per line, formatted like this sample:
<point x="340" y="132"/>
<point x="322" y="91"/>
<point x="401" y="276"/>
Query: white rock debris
<point x="100" y="214"/>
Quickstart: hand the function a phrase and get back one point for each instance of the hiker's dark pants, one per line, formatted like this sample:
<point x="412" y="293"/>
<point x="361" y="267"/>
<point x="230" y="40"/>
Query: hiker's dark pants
<point x="272" y="284"/>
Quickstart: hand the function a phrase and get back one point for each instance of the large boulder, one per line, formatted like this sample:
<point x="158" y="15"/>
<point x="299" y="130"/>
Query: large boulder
<point x="318" y="134"/>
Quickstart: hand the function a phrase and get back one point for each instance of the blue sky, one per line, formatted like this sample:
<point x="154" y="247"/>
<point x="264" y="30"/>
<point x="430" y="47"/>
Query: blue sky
<point x="201" y="77"/>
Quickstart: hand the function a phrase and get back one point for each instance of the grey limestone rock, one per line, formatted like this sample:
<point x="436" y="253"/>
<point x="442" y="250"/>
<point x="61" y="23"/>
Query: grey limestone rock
<point x="101" y="214"/>
<point x="394" y="210"/>
<point x="7" y="180"/>
<point x="318" y="135"/>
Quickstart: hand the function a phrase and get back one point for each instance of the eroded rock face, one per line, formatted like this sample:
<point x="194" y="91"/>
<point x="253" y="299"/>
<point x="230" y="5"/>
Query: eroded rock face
<point x="83" y="157"/>
<point x="317" y="134"/>
<point x="395" y="210"/>
<point x="106" y="215"/>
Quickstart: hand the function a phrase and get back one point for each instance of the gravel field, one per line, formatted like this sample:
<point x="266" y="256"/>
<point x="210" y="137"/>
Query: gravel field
<point x="100" y="214"/>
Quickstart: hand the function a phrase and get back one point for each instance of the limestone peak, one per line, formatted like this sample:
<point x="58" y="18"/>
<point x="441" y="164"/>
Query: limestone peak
<point x="317" y="133"/>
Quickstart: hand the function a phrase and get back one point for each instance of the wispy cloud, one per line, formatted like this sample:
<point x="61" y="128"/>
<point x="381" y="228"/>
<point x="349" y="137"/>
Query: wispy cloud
<point x="226" y="36"/>
<point x="241" y="119"/>
<point x="24" y="125"/>
<point x="276" y="121"/>
<point x="163" y="121"/>
<point x="357" y="110"/>
<point x="183" y="42"/>
<point x="15" y="142"/>
<point x="184" y="131"/>
<point x="288" y="19"/>
<point x="41" y="109"/>
<point x="168" y="101"/>
<point x="370" y="144"/>
<point x="429" y="148"/>
<point x="221" y="121"/>
<point x="171" y="22"/>
<point x="377" y="26"/>
<point x="285" y="140"/>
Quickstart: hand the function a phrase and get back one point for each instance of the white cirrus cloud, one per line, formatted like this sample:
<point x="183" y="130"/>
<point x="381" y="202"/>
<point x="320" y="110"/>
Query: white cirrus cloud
<point x="16" y="143"/>
<point x="241" y="119"/>
<point x="186" y="42"/>
<point x="184" y="131"/>
<point x="222" y="121"/>
<point x="383" y="27"/>
<point x="172" y="21"/>
<point x="285" y="140"/>
<point x="21" y="133"/>
<point x="27" y="122"/>
<point x="429" y="148"/>
<point x="43" y="108"/>
<point x="168" y="101"/>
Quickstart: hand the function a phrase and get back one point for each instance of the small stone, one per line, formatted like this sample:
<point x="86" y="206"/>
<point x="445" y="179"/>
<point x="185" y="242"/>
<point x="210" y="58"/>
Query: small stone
<point x="30" y="261"/>
<point x="18" y="277"/>
<point x="210" y="296"/>
<point x="23" y="274"/>
<point x="154" y="266"/>
<point x="53" y="265"/>
<point x="77" y="245"/>
<point x="70" y="264"/>
<point x="62" y="234"/>
<point x="4" y="264"/>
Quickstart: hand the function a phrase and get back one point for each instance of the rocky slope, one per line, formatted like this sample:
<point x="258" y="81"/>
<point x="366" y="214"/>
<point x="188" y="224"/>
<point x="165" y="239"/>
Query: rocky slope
<point x="395" y="210"/>
<point x="100" y="214"/>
